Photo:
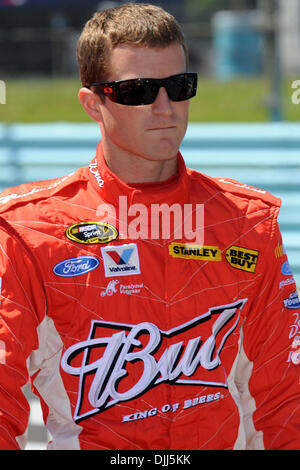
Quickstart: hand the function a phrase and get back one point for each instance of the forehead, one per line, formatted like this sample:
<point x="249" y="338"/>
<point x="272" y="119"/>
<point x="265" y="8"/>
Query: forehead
<point x="128" y="61"/>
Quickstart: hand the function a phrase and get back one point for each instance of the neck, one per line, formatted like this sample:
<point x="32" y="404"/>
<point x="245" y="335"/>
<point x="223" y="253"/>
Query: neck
<point x="132" y="168"/>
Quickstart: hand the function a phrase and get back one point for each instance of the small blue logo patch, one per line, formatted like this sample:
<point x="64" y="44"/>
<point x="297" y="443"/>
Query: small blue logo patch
<point x="286" y="269"/>
<point x="293" y="301"/>
<point x="76" y="266"/>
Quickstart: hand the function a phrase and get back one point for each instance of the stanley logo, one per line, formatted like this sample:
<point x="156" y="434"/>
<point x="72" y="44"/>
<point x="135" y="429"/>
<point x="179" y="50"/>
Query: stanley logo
<point x="192" y="251"/>
<point x="242" y="258"/>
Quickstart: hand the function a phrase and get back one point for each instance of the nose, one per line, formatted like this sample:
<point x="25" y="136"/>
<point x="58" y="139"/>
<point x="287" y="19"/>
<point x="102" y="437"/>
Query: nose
<point x="162" y="105"/>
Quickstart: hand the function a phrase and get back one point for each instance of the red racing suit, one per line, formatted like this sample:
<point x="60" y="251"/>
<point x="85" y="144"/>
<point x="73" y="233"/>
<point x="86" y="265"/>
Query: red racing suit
<point x="147" y="342"/>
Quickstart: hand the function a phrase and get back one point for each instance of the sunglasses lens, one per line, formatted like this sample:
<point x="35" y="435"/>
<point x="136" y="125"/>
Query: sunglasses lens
<point x="181" y="87"/>
<point x="137" y="92"/>
<point x="143" y="91"/>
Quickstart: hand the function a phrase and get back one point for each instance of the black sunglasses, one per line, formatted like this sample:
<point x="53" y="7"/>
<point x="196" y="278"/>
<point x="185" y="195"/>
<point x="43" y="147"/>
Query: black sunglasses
<point x="142" y="91"/>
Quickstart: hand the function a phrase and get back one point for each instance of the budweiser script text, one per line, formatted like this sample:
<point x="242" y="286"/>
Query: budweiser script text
<point x="192" y="362"/>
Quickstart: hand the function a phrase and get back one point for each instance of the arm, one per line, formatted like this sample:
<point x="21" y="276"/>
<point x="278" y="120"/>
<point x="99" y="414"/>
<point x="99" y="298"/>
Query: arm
<point x="266" y="376"/>
<point x="22" y="301"/>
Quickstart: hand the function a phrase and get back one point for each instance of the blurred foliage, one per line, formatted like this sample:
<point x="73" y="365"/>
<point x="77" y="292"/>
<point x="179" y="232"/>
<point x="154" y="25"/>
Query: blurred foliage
<point x="194" y="8"/>
<point x="201" y="3"/>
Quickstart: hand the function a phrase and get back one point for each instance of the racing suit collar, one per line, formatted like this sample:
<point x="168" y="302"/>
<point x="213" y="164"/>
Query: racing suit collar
<point x="110" y="186"/>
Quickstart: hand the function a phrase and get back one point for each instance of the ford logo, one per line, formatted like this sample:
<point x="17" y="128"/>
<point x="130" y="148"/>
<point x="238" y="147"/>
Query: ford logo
<point x="76" y="266"/>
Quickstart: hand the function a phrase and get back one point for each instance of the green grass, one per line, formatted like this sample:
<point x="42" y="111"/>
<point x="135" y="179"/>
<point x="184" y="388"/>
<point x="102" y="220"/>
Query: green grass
<point x="56" y="100"/>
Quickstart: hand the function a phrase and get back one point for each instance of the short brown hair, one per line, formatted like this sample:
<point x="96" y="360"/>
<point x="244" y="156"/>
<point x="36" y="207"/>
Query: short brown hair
<point x="138" y="24"/>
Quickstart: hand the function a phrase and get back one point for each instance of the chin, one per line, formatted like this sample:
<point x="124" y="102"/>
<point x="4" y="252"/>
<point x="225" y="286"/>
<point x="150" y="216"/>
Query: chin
<point x="164" y="151"/>
<point x="161" y="157"/>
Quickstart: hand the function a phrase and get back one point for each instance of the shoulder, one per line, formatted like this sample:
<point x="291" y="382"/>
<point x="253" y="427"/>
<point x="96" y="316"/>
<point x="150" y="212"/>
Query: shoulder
<point x="238" y="210"/>
<point x="32" y="193"/>
<point x="243" y="190"/>
<point x="236" y="191"/>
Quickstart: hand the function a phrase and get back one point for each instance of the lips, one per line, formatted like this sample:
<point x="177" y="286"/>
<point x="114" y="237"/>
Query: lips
<point x="163" y="128"/>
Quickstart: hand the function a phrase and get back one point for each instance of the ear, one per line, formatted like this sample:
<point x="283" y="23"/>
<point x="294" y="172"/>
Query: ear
<point x="91" y="103"/>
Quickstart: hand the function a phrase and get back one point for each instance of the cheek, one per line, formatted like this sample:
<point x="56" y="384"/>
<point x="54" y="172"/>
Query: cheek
<point x="184" y="113"/>
<point x="120" y="119"/>
<point x="123" y="126"/>
<point x="182" y="109"/>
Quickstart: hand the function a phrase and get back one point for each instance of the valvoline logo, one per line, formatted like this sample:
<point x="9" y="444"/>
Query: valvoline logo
<point x="76" y="266"/>
<point x="121" y="260"/>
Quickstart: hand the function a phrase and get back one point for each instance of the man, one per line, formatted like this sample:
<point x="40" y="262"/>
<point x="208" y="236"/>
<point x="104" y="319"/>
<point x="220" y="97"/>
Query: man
<point x="135" y="337"/>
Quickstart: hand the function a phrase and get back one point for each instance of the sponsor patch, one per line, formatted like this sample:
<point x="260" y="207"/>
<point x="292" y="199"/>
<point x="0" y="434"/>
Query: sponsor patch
<point x="5" y="199"/>
<point x="76" y="266"/>
<point x="286" y="269"/>
<point x="122" y="260"/>
<point x="292" y="301"/>
<point x="192" y="251"/>
<point x="286" y="282"/>
<point x="94" y="170"/>
<point x="2" y="352"/>
<point x="294" y="356"/>
<point x="242" y="185"/>
<point x="91" y="233"/>
<point x="242" y="258"/>
<point x="279" y="251"/>
<point x="113" y="287"/>
<point x="119" y="362"/>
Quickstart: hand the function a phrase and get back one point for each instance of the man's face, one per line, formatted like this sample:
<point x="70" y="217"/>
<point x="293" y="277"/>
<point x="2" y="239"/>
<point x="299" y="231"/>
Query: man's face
<point x="154" y="131"/>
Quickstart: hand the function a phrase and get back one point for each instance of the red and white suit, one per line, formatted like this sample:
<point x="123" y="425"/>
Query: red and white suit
<point x="147" y="343"/>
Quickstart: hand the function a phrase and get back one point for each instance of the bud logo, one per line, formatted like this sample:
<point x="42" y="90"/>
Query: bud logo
<point x="120" y="362"/>
<point x="121" y="260"/>
<point x="242" y="258"/>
